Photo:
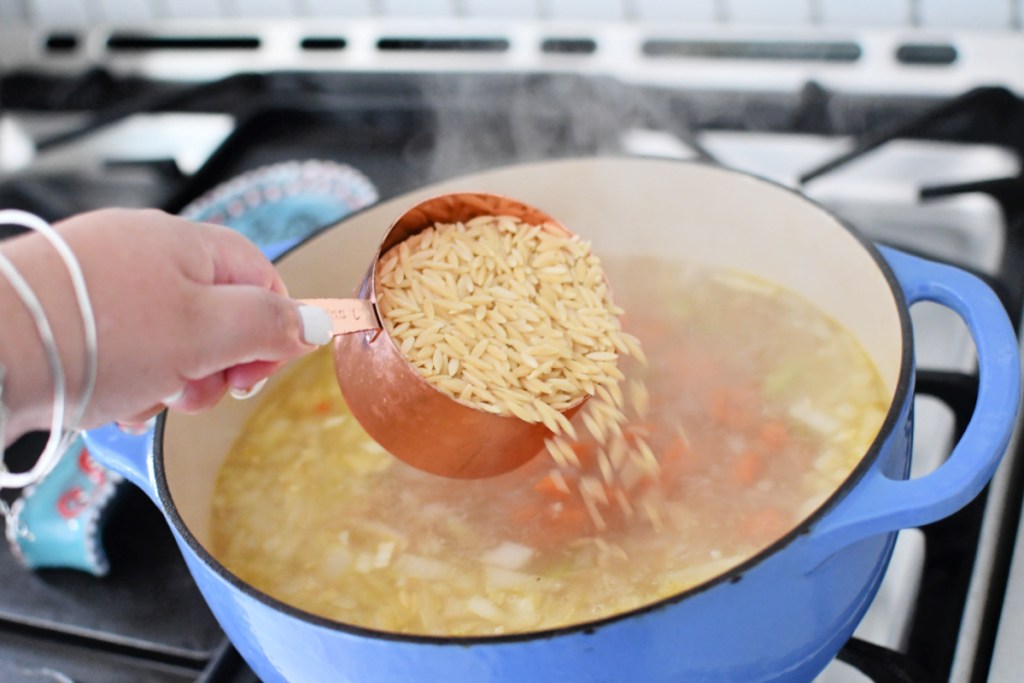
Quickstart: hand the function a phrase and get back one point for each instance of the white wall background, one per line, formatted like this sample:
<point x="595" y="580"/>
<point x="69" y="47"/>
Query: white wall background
<point x="953" y="14"/>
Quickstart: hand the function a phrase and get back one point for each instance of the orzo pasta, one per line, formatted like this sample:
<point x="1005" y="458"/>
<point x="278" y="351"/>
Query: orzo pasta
<point x="503" y="316"/>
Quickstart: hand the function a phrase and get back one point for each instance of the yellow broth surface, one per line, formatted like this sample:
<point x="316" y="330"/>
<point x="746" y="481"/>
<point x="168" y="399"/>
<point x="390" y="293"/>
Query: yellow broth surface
<point x="754" y="404"/>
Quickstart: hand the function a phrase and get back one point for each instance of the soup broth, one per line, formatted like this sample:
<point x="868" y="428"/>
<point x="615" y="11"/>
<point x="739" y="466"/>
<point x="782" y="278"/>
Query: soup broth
<point x="752" y="408"/>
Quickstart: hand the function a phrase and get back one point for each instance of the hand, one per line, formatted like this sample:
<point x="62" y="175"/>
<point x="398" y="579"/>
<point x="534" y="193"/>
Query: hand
<point x="184" y="312"/>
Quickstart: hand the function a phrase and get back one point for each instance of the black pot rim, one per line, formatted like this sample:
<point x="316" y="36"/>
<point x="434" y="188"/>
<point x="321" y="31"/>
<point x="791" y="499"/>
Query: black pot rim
<point x="903" y="388"/>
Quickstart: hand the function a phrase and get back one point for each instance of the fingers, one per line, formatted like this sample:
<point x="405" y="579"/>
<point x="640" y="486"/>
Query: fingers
<point x="200" y="394"/>
<point x="245" y="322"/>
<point x="244" y="394"/>
<point x="238" y="324"/>
<point x="196" y="396"/>
<point x="140" y="422"/>
<point x="237" y="261"/>
<point x="245" y="378"/>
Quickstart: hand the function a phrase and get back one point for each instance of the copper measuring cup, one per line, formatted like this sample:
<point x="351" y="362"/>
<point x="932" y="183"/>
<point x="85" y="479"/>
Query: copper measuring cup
<point x="399" y="408"/>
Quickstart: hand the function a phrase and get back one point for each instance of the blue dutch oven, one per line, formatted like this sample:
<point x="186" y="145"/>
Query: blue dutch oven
<point x="780" y="616"/>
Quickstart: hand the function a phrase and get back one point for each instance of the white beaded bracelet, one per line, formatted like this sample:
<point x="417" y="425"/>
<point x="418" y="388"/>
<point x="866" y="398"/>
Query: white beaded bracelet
<point x="60" y="437"/>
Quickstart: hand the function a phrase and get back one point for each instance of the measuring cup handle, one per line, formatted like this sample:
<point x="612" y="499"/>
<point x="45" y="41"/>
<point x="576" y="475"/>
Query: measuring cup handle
<point x="348" y="315"/>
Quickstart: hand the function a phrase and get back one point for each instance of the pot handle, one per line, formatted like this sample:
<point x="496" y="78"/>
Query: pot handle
<point x="880" y="504"/>
<point x="127" y="454"/>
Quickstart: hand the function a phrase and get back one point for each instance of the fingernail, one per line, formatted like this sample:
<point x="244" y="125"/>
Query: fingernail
<point x="242" y="394"/>
<point x="174" y="398"/>
<point x="317" y="328"/>
<point x="135" y="428"/>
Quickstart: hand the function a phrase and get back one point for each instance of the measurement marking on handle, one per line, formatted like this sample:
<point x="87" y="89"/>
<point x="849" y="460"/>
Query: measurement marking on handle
<point x="348" y="315"/>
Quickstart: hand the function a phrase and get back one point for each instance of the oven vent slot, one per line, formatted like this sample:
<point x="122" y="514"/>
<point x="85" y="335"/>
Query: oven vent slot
<point x="569" y="46"/>
<point x="323" y="43"/>
<point x="434" y="44"/>
<point x="130" y="42"/>
<point x="61" y="43"/>
<point x="937" y="54"/>
<point x="793" y="51"/>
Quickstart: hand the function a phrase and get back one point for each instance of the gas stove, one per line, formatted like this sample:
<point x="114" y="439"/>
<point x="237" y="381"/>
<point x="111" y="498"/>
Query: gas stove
<point x="914" y="134"/>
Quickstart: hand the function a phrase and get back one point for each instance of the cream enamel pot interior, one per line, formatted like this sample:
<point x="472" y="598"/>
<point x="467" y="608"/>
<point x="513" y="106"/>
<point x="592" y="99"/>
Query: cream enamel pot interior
<point x="780" y="616"/>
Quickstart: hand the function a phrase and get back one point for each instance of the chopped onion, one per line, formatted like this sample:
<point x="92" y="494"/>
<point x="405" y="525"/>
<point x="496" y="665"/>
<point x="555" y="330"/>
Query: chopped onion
<point x="421" y="567"/>
<point x="813" y="418"/>
<point x="364" y="563"/>
<point x="499" y="578"/>
<point x="384" y="552"/>
<point x="508" y="555"/>
<point x="482" y="607"/>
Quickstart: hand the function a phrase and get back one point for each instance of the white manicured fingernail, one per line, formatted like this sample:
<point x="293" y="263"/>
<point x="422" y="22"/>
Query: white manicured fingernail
<point x="174" y="398"/>
<point x="317" y="328"/>
<point x="242" y="394"/>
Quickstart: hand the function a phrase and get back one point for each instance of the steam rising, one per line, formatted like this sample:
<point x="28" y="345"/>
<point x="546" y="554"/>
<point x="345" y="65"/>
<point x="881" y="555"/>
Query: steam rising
<point x="482" y="122"/>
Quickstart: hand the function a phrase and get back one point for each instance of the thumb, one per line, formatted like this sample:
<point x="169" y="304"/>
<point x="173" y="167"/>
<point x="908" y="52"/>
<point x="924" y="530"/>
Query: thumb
<point x="240" y="324"/>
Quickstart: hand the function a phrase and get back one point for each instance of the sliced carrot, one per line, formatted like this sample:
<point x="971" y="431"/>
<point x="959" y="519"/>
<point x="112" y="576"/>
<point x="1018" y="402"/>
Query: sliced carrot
<point x="774" y="435"/>
<point x="643" y="485"/>
<point x="324" y="407"/>
<point x="678" y="461"/>
<point x="551" y="488"/>
<point x="570" y="519"/>
<point x="612" y="491"/>
<point x="746" y="468"/>
<point x="677" y="449"/>
<point x="552" y="525"/>
<point x="586" y="451"/>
